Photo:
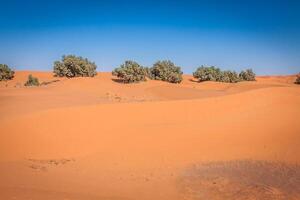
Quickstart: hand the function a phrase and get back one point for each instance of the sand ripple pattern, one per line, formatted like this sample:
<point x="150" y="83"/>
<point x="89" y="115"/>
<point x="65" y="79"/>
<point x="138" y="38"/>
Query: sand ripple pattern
<point x="242" y="179"/>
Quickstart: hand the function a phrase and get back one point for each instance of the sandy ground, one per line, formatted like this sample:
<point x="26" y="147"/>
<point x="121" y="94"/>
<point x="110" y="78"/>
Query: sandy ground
<point x="97" y="138"/>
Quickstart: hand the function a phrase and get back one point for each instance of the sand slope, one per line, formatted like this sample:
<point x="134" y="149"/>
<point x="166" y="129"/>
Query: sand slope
<point x="96" y="138"/>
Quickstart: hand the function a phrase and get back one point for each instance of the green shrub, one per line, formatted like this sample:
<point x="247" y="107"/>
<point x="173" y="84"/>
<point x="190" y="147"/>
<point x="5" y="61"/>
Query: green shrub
<point x="166" y="71"/>
<point x="148" y="72"/>
<point x="247" y="75"/>
<point x="6" y="73"/>
<point x="229" y="77"/>
<point x="207" y="73"/>
<point x="130" y="72"/>
<point x="73" y="66"/>
<point x="32" y="81"/>
<point x="298" y="79"/>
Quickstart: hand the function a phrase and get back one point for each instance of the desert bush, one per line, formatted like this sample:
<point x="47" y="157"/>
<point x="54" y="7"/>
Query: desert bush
<point x="298" y="79"/>
<point x="32" y="81"/>
<point x="130" y="72"/>
<point x="73" y="66"/>
<point x="6" y="73"/>
<point x="149" y="73"/>
<point x="229" y="77"/>
<point x="247" y="75"/>
<point x="207" y="73"/>
<point x="166" y="71"/>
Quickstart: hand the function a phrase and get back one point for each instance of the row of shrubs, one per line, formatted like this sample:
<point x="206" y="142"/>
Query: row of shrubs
<point x="132" y="72"/>
<point x="215" y="74"/>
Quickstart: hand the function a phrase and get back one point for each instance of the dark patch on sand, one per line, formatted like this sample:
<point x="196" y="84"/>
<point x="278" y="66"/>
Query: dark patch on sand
<point x="49" y="82"/>
<point x="43" y="165"/>
<point x="242" y="179"/>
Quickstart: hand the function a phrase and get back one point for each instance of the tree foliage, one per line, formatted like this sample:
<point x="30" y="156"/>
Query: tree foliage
<point x="166" y="71"/>
<point x="130" y="72"/>
<point x="74" y="66"/>
<point x="6" y="73"/>
<point x="32" y="81"/>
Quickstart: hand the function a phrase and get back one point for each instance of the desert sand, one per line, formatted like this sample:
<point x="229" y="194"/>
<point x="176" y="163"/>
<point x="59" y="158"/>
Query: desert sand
<point x="97" y="138"/>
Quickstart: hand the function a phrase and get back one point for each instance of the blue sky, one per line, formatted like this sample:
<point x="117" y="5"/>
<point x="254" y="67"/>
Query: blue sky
<point x="263" y="35"/>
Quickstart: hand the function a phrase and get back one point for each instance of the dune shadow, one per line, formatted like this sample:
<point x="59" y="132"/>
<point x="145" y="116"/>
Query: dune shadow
<point x="49" y="82"/>
<point x="123" y="82"/>
<point x="241" y="179"/>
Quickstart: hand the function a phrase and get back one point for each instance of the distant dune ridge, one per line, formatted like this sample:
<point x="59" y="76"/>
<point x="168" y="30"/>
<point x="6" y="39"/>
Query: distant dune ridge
<point x="97" y="138"/>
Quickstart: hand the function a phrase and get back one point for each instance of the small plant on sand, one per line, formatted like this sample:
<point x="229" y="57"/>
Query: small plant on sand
<point x="130" y="72"/>
<point x="32" y="81"/>
<point x="6" y="73"/>
<point x="247" y="75"/>
<point x="74" y="66"/>
<point x="207" y="73"/>
<point x="166" y="71"/>
<point x="298" y="79"/>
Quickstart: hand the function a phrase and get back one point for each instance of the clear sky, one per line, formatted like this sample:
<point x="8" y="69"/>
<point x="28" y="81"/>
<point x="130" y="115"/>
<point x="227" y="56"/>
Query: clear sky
<point x="261" y="34"/>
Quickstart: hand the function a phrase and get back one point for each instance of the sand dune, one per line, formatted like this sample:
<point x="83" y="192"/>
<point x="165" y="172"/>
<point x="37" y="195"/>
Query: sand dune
<point x="96" y="138"/>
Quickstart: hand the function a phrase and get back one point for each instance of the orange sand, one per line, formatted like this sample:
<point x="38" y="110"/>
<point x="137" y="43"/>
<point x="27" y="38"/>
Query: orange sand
<point x="96" y="138"/>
